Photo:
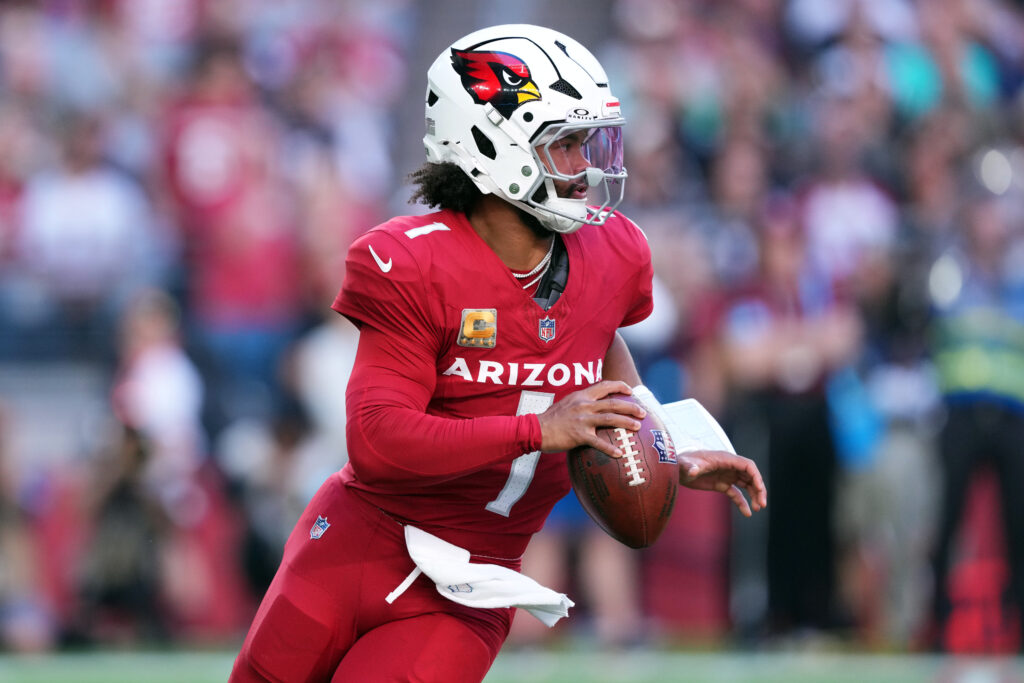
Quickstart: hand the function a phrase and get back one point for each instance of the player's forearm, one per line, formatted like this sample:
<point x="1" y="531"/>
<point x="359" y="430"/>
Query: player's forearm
<point x="390" y="444"/>
<point x="392" y="438"/>
<point x="618" y="363"/>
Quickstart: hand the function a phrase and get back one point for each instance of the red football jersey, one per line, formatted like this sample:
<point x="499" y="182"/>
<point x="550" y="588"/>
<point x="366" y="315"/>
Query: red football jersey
<point x="455" y="317"/>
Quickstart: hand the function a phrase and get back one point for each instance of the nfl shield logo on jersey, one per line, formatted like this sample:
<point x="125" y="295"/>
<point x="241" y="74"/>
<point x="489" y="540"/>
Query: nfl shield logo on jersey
<point x="319" y="527"/>
<point x="546" y="329"/>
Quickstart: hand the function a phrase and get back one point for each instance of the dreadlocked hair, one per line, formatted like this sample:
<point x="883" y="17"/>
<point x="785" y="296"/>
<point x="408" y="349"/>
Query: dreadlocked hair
<point x="444" y="186"/>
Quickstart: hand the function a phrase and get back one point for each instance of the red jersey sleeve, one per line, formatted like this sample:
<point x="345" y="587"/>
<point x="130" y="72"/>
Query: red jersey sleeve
<point x="391" y="437"/>
<point x="643" y="300"/>
<point x="384" y="287"/>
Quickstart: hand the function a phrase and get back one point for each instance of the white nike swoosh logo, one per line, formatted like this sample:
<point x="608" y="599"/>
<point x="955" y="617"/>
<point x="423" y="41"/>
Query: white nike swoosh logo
<point x="384" y="266"/>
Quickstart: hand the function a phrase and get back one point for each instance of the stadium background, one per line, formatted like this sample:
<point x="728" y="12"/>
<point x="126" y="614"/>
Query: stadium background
<point x="179" y="180"/>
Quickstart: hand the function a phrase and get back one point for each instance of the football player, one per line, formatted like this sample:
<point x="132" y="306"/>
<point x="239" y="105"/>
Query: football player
<point x="488" y="347"/>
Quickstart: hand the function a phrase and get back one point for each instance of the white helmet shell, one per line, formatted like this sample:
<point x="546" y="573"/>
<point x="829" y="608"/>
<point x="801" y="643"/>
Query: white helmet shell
<point x="498" y="98"/>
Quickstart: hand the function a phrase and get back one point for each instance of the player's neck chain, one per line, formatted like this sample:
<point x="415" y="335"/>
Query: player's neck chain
<point x="538" y="271"/>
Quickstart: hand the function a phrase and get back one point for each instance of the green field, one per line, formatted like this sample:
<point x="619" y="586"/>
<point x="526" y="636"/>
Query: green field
<point x="645" y="666"/>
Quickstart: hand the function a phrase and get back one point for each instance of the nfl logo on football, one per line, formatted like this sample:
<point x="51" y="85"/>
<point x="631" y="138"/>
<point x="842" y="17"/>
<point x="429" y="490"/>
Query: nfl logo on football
<point x="318" y="528"/>
<point x="546" y="329"/>
<point x="666" y="451"/>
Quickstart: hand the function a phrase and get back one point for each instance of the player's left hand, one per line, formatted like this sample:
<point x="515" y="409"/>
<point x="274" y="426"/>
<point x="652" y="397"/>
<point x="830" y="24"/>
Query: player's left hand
<point x="726" y="473"/>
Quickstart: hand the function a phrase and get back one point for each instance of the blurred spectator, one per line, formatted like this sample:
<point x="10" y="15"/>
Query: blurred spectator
<point x="278" y="465"/>
<point x="978" y="293"/>
<point x="274" y="466"/>
<point x="738" y="183"/>
<point x="855" y="68"/>
<point x="331" y="215"/>
<point x="22" y="149"/>
<point x="814" y="24"/>
<point x="244" y="281"/>
<point x="122" y="571"/>
<point x="87" y="241"/>
<point x="781" y="337"/>
<point x="158" y="391"/>
<point x="319" y="366"/>
<point x="157" y="34"/>
<point x="752" y="77"/>
<point x="885" y="528"/>
<point x="961" y="68"/>
<point x="23" y="51"/>
<point x="26" y="623"/>
<point x="849" y="220"/>
<point x="930" y="182"/>
<point x="707" y="65"/>
<point x="159" y="563"/>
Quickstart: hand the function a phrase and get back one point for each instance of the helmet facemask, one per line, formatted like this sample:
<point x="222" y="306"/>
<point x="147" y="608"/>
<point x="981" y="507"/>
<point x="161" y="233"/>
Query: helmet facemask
<point x="582" y="175"/>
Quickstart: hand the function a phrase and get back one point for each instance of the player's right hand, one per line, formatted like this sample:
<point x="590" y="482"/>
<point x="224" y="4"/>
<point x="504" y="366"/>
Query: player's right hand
<point x="573" y="421"/>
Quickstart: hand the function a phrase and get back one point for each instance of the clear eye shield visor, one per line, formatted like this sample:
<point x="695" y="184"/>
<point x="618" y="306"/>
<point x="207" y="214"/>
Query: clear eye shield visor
<point x="582" y="164"/>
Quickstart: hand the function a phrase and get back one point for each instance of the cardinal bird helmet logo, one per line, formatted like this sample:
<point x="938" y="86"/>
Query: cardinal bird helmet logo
<point x="496" y="77"/>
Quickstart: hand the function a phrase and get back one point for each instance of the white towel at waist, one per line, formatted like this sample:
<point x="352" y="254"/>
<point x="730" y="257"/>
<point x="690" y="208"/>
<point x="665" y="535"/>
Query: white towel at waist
<point x="478" y="585"/>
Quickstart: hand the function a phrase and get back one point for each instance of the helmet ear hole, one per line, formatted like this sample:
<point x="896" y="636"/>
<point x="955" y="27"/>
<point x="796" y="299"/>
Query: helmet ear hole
<point x="541" y="195"/>
<point x="431" y="98"/>
<point x="483" y="143"/>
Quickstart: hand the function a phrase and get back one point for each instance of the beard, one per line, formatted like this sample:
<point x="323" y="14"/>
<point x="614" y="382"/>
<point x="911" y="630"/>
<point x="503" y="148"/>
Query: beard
<point x="531" y="221"/>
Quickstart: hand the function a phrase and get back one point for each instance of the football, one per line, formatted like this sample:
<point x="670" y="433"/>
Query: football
<point x="631" y="497"/>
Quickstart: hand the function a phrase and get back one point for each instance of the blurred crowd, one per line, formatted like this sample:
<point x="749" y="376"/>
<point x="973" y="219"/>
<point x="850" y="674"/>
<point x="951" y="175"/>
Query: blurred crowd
<point x="834" y="195"/>
<point x="835" y="192"/>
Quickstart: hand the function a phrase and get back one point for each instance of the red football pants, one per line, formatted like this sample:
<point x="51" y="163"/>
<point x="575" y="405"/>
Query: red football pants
<point x="324" y="617"/>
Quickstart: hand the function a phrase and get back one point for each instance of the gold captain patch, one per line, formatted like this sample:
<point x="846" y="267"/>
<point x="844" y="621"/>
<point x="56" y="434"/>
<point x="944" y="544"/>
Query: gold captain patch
<point x="479" y="328"/>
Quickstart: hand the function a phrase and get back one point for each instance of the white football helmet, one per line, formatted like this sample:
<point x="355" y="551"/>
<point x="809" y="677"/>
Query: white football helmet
<point x="505" y="102"/>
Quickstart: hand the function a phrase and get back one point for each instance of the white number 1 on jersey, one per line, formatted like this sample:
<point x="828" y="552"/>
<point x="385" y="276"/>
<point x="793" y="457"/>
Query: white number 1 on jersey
<point x="523" y="467"/>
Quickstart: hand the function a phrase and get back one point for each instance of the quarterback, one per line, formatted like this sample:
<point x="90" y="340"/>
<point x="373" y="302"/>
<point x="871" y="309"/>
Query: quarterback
<point x="488" y="348"/>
